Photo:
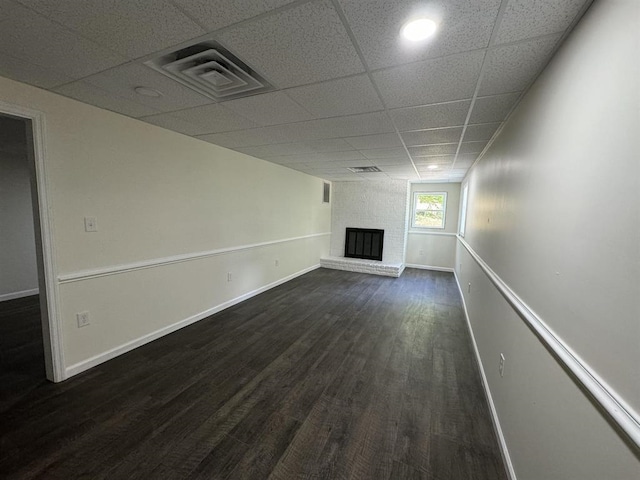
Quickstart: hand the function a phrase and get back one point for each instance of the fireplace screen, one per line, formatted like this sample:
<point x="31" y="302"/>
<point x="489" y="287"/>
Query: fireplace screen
<point x="364" y="243"/>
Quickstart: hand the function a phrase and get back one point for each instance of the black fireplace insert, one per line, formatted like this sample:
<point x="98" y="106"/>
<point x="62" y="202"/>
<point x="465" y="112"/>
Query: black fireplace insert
<point x="364" y="243"/>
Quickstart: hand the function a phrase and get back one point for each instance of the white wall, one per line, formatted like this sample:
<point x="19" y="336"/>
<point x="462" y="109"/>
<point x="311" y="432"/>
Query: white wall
<point x="156" y="195"/>
<point x="428" y="247"/>
<point x="18" y="270"/>
<point x="554" y="209"/>
<point x="371" y="204"/>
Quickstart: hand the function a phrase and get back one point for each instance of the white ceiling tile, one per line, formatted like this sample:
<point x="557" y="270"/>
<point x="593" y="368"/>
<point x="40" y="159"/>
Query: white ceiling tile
<point x="216" y="14"/>
<point x="463" y="26"/>
<point x="316" y="146"/>
<point x="132" y="28"/>
<point x="300" y="45"/>
<point x="328" y="145"/>
<point x="330" y="156"/>
<point x="214" y="118"/>
<point x="396" y="152"/>
<point x="345" y="96"/>
<point x="244" y="138"/>
<point x="431" y="116"/>
<point x="23" y="71"/>
<point x="123" y="80"/>
<point x="472" y="147"/>
<point x="427" y="172"/>
<point x="431" y="81"/>
<point x="512" y="68"/>
<point x="374" y="176"/>
<point x="168" y="121"/>
<point x="403" y="176"/>
<point x="443" y="160"/>
<point x="269" y="109"/>
<point x="431" y="150"/>
<point x="398" y="169"/>
<point x="350" y="177"/>
<point x="93" y="95"/>
<point x="436" y="135"/>
<point x="357" y="125"/>
<point x="483" y="131"/>
<point x="365" y="142"/>
<point x="524" y="19"/>
<point x="284" y="160"/>
<point x="363" y="162"/>
<point x="265" y="151"/>
<point x="338" y="127"/>
<point x="396" y="162"/>
<point x="467" y="158"/>
<point x="37" y="40"/>
<point x="494" y="108"/>
<point x="435" y="176"/>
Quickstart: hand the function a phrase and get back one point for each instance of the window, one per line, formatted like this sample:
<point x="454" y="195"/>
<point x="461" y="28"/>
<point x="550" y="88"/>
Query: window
<point x="429" y="209"/>
<point x="463" y="209"/>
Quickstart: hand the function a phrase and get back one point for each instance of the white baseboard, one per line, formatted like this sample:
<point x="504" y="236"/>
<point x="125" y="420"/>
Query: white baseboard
<point x="24" y="293"/>
<point x="504" y="450"/>
<point x="428" y="267"/>
<point x="138" y="342"/>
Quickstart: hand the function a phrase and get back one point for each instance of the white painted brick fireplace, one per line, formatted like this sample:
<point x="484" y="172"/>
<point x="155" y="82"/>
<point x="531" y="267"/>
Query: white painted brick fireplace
<point x="370" y="204"/>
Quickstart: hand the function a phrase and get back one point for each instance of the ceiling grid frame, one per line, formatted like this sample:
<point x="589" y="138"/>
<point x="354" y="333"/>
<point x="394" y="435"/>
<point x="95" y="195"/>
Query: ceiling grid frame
<point x="325" y="126"/>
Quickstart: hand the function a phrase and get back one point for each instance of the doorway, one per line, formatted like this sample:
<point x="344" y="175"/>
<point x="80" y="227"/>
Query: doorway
<point x="30" y="341"/>
<point x="22" y="366"/>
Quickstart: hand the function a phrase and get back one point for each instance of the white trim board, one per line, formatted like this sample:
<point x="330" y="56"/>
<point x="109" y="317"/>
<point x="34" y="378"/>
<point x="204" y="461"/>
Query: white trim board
<point x="157" y="262"/>
<point x="21" y="294"/>
<point x="611" y="402"/>
<point x="138" y="342"/>
<point x="429" y="267"/>
<point x="504" y="450"/>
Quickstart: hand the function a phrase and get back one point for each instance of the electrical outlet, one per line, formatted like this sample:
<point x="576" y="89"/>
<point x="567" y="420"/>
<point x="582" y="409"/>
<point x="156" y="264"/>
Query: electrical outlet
<point x="277" y="262"/>
<point x="90" y="224"/>
<point x="229" y="277"/>
<point x="83" y="319"/>
<point x="501" y="367"/>
<point x="469" y="288"/>
<point x="421" y="252"/>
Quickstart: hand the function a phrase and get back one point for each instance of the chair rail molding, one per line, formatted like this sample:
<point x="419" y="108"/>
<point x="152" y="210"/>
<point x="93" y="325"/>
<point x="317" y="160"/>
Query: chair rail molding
<point x="619" y="412"/>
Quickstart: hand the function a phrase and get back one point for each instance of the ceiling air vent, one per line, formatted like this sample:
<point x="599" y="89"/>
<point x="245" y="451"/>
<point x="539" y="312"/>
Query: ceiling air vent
<point x="210" y="69"/>
<point x="364" y="169"/>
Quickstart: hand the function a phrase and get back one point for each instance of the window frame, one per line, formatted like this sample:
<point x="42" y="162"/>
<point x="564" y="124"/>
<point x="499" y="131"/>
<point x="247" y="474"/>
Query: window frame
<point x="464" y="200"/>
<point x="414" y="210"/>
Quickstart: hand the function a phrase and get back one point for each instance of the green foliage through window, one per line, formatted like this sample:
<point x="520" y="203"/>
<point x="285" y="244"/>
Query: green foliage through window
<point x="429" y="210"/>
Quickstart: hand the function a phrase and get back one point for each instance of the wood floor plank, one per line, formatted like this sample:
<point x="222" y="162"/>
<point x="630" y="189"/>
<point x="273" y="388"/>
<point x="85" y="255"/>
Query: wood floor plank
<point x="331" y="375"/>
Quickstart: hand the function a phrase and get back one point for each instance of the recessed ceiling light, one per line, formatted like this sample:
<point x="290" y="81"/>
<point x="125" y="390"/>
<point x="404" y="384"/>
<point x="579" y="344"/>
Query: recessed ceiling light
<point x="148" y="92"/>
<point x="432" y="167"/>
<point x="419" y="29"/>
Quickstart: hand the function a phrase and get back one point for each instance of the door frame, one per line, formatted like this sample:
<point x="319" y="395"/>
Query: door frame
<point x="45" y="251"/>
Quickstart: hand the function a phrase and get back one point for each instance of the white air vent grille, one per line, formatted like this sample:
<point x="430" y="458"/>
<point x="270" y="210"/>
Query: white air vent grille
<point x="210" y="70"/>
<point x="364" y="169"/>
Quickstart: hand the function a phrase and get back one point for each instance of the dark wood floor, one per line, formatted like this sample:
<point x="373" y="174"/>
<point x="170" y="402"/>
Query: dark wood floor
<point x="21" y="350"/>
<point x="332" y="375"/>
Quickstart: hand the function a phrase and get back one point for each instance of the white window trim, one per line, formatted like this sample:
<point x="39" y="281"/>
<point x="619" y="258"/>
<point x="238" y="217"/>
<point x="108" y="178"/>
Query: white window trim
<point x="464" y="200"/>
<point x="413" y="211"/>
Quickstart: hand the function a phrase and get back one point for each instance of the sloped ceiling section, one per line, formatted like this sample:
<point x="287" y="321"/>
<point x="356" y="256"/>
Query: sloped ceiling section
<point x="343" y="90"/>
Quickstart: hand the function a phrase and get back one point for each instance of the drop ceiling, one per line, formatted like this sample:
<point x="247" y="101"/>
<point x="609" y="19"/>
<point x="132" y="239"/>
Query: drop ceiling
<point x="346" y="91"/>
